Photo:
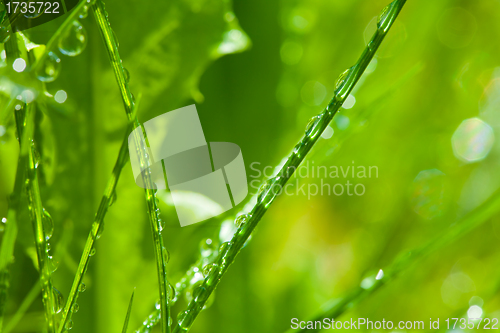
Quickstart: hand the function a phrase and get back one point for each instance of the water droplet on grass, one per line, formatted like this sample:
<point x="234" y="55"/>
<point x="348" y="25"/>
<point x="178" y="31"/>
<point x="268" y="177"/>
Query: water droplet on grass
<point x="82" y="287"/>
<point x="242" y="219"/>
<point x="166" y="255"/>
<point x="58" y="300"/>
<point x="48" y="224"/>
<point x="49" y="70"/>
<point x="209" y="269"/>
<point x="74" y="40"/>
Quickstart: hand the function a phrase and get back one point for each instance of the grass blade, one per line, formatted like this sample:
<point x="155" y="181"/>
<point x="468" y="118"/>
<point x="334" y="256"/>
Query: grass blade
<point x="42" y="228"/>
<point x="271" y="188"/>
<point x="161" y="253"/>
<point x="127" y="317"/>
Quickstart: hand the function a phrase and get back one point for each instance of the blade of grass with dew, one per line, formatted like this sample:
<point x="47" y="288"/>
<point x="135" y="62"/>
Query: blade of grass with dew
<point x="209" y="251"/>
<point x="97" y="226"/>
<point x="129" y="311"/>
<point x="161" y="254"/>
<point x="406" y="259"/>
<point x="43" y="229"/>
<point x="269" y="190"/>
<point x="60" y="252"/>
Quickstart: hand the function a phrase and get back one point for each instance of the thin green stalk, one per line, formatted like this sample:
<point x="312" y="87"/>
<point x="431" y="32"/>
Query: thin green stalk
<point x="97" y="226"/>
<point x="26" y="303"/>
<point x="129" y="311"/>
<point x="272" y="187"/>
<point x="42" y="228"/>
<point x="208" y="254"/>
<point x="161" y="253"/>
<point x="404" y="261"/>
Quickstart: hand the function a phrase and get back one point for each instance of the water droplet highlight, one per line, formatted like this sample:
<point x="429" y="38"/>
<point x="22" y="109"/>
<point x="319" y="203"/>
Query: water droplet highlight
<point x="58" y="300"/>
<point x="209" y="269"/>
<point x="48" y="224"/>
<point x="49" y="70"/>
<point x="241" y="220"/>
<point x="74" y="40"/>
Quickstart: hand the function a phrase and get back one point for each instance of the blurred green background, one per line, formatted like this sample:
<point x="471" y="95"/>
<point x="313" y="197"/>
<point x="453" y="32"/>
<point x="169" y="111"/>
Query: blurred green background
<point x="425" y="114"/>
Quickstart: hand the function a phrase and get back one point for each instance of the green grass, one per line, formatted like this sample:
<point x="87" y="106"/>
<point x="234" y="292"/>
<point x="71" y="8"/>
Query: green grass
<point x="179" y="305"/>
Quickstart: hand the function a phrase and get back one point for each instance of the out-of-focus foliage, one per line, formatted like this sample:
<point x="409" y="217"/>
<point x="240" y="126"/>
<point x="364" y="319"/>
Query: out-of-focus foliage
<point x="425" y="118"/>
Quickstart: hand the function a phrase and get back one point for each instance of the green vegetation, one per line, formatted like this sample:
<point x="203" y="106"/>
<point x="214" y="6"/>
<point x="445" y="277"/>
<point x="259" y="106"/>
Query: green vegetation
<point x="419" y="107"/>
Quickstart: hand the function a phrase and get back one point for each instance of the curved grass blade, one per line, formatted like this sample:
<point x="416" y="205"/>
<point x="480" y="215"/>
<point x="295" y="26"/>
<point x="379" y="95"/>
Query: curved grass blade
<point x="271" y="188"/>
<point x="161" y="253"/>
<point x="405" y="260"/>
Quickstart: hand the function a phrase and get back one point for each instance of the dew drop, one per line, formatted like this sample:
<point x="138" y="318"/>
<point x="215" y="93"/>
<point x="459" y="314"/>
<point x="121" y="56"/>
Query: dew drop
<point x="52" y="264"/>
<point x="166" y="255"/>
<point x="157" y="305"/>
<point x="49" y="70"/>
<point x="74" y="40"/>
<point x="313" y="127"/>
<point x="171" y="292"/>
<point x="200" y="294"/>
<point x="48" y="224"/>
<point x="82" y="287"/>
<point x="342" y="79"/>
<point x="33" y="15"/>
<point x="209" y="269"/>
<point x="58" y="300"/>
<point x="161" y="224"/>
<point x="267" y="192"/>
<point x="181" y="318"/>
<point x="75" y="308"/>
<point x="383" y="17"/>
<point x="115" y="37"/>
<point x="84" y="12"/>
<point x="241" y="220"/>
<point x="224" y="248"/>
<point x="112" y="199"/>
<point x="92" y="252"/>
<point x="127" y="74"/>
<point x="69" y="325"/>
<point x="100" y="231"/>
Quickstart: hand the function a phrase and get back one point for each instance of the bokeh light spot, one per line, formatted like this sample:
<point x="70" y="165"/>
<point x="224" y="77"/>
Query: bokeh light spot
<point x="61" y="96"/>
<point x="428" y="197"/>
<point x="19" y="65"/>
<point x="473" y="139"/>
